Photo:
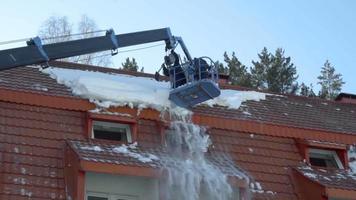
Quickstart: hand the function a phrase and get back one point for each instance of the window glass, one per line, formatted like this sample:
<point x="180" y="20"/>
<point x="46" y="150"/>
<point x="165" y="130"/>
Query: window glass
<point x="324" y="158"/>
<point x="97" y="198"/>
<point x="111" y="131"/>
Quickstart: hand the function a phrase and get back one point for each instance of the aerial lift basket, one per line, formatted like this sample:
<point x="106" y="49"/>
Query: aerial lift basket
<point x="193" y="83"/>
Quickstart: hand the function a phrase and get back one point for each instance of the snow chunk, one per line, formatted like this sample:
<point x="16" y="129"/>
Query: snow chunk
<point x="92" y="148"/>
<point x="310" y="175"/>
<point x="271" y="192"/>
<point x="23" y="170"/>
<point x="233" y="99"/>
<point x="246" y="113"/>
<point x="24" y="192"/>
<point x="257" y="188"/>
<point x="39" y="87"/>
<point x="113" y="89"/>
<point x="101" y="111"/>
<point x="127" y="151"/>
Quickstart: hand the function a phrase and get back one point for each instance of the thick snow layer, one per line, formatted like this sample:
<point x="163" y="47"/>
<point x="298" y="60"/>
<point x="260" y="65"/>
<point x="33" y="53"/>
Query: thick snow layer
<point x="107" y="90"/>
<point x="113" y="89"/>
<point x="129" y="151"/>
<point x="233" y="99"/>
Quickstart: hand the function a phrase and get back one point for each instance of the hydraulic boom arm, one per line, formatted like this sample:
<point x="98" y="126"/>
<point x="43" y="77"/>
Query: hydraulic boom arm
<point x="35" y="52"/>
<point x="192" y="82"/>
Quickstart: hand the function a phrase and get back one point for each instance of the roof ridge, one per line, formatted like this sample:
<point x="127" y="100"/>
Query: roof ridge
<point x="71" y="65"/>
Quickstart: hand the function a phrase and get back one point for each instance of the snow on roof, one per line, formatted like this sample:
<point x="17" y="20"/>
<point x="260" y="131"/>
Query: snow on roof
<point x="127" y="151"/>
<point x="339" y="178"/>
<point x="233" y="99"/>
<point x="105" y="90"/>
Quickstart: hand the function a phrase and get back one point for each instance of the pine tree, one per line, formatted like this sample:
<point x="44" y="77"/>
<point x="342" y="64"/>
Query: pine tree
<point x="282" y="74"/>
<point x="330" y="82"/>
<point x="274" y="72"/>
<point x="130" y="65"/>
<point x="259" y="69"/>
<point x="221" y="68"/>
<point x="307" y="90"/>
<point x="238" y="73"/>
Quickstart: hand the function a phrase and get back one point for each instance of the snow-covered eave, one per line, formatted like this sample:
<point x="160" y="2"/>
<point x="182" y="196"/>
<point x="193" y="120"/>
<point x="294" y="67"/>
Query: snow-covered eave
<point x="117" y="90"/>
<point x="121" y="169"/>
<point x="146" y="169"/>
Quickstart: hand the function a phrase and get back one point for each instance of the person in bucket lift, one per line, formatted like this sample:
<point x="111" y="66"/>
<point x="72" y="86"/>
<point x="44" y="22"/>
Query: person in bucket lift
<point x="204" y="69"/>
<point x="172" y="62"/>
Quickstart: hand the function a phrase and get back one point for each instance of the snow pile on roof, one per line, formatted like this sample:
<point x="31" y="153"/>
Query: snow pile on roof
<point x="107" y="90"/>
<point x="233" y="99"/>
<point x="256" y="187"/>
<point x="310" y="175"/>
<point x="92" y="148"/>
<point x="352" y="158"/>
<point x="129" y="151"/>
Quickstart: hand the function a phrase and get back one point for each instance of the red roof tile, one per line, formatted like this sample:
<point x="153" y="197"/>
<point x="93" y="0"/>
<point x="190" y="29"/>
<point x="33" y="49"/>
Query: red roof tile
<point x="31" y="147"/>
<point x="337" y="178"/>
<point x="267" y="159"/>
<point x="292" y="111"/>
<point x="104" y="152"/>
<point x="31" y="79"/>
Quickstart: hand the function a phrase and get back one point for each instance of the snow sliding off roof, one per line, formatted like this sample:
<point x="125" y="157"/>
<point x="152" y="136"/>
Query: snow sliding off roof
<point x="107" y="90"/>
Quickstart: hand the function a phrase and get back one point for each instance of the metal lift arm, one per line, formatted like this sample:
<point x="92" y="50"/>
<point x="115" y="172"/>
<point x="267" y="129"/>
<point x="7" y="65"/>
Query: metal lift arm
<point x="36" y="53"/>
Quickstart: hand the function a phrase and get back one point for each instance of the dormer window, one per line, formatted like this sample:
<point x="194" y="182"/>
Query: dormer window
<point x="111" y="131"/>
<point x="324" y="158"/>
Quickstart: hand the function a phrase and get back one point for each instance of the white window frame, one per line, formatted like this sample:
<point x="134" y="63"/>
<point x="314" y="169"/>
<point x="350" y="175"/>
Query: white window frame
<point x="127" y="127"/>
<point x="110" y="196"/>
<point x="328" y="152"/>
<point x="96" y="194"/>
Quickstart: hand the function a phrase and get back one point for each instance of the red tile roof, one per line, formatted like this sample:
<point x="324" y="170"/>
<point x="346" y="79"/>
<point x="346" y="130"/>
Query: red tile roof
<point x="292" y="111"/>
<point x="31" y="150"/>
<point x="32" y="138"/>
<point x="266" y="158"/>
<point x="104" y="152"/>
<point x="30" y="79"/>
<point x="331" y="178"/>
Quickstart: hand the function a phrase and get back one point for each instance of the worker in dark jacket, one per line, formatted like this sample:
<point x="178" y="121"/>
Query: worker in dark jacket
<point x="174" y="68"/>
<point x="203" y="73"/>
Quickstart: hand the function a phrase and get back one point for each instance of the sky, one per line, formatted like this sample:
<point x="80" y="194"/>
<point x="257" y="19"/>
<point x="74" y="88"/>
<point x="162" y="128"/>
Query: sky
<point x="310" y="31"/>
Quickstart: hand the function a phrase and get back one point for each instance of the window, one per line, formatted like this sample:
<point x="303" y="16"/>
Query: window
<point x="111" y="131"/>
<point x="104" y="196"/>
<point x="97" y="196"/>
<point x="324" y="158"/>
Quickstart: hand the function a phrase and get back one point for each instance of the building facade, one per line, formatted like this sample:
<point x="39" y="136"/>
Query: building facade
<point x="58" y="145"/>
